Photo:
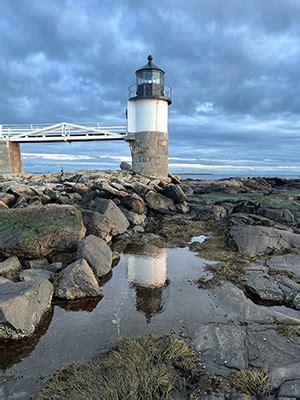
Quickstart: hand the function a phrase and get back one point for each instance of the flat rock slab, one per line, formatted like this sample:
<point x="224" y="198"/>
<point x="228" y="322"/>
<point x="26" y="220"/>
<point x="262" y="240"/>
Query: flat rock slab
<point x="229" y="304"/>
<point x="287" y="262"/>
<point x="265" y="287"/>
<point x="278" y="289"/>
<point x="279" y="354"/>
<point x="290" y="389"/>
<point x="35" y="232"/>
<point x="22" y="305"/>
<point x="254" y="240"/>
<point x="77" y="281"/>
<point x="222" y="347"/>
<point x="225" y="348"/>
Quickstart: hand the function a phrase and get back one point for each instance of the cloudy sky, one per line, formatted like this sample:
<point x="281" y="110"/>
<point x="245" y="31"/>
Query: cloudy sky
<point x="233" y="65"/>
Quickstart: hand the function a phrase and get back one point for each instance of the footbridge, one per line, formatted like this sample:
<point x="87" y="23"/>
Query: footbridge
<point x="62" y="132"/>
<point x="11" y="136"/>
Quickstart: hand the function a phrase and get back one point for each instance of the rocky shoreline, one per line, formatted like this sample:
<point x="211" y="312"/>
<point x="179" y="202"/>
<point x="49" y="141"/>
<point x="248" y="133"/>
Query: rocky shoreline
<point x="61" y="235"/>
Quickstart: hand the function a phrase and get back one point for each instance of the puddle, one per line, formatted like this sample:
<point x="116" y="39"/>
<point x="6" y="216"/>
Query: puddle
<point x="198" y="239"/>
<point x="151" y="291"/>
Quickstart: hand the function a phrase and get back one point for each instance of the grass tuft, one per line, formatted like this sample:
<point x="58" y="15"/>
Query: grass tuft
<point x="288" y="330"/>
<point x="149" y="367"/>
<point x="251" y="381"/>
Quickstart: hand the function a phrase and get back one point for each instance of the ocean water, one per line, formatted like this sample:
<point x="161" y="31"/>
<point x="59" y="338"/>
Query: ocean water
<point x="107" y="156"/>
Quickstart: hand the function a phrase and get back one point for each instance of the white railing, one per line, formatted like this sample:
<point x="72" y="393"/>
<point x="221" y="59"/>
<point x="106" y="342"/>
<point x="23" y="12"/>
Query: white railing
<point x="63" y="131"/>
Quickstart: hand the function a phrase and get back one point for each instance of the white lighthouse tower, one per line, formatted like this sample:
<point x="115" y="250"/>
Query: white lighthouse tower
<point x="147" y="129"/>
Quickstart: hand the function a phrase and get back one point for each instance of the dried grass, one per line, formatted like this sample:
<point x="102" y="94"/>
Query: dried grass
<point x="251" y="381"/>
<point x="144" y="368"/>
<point x="288" y="330"/>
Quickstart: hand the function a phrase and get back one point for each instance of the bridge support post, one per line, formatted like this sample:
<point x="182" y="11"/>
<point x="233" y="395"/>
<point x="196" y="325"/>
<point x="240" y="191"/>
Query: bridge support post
<point x="10" y="158"/>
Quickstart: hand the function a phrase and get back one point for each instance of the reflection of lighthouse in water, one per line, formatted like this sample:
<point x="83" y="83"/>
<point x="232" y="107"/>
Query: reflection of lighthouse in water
<point x="147" y="272"/>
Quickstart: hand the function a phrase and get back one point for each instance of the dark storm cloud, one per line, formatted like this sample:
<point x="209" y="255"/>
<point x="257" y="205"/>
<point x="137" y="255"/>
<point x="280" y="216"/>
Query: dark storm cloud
<point x="234" y="67"/>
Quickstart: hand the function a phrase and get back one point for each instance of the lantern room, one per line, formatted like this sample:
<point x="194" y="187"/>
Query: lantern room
<point x="150" y="83"/>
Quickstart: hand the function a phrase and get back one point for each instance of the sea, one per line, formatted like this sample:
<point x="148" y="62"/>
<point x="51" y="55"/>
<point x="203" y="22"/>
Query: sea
<point x="44" y="158"/>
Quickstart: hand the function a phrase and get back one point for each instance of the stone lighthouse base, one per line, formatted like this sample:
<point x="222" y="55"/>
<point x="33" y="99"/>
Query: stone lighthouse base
<point x="10" y="158"/>
<point x="149" y="152"/>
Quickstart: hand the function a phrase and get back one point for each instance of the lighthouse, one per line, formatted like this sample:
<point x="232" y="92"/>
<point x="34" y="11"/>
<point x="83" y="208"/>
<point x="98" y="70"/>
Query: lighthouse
<point x="147" y="113"/>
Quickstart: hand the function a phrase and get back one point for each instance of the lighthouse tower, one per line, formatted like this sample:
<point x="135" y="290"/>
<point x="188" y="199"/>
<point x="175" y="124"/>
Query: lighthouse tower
<point x="147" y="117"/>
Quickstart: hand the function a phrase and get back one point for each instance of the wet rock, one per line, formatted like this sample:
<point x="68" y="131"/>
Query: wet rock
<point x="290" y="390"/>
<point x="280" y="374"/>
<point x="3" y="206"/>
<point x="159" y="202"/>
<point x="228" y="304"/>
<point x="22" y="305"/>
<point x="125" y="166"/>
<point x="97" y="253"/>
<point x="182" y="208"/>
<point x="264" y="287"/>
<point x="7" y="198"/>
<point x="77" y="281"/>
<point x="134" y="203"/>
<point x="52" y="194"/>
<point x="188" y="190"/>
<point x="10" y="268"/>
<point x="206" y="212"/>
<point x="287" y="262"/>
<point x="22" y="190"/>
<point x="175" y="193"/>
<point x="77" y="187"/>
<point x="53" y="267"/>
<point x="20" y="203"/>
<point x="280" y="215"/>
<point x="4" y="280"/>
<point x="115" y="258"/>
<point x="35" y="232"/>
<point x="268" y="349"/>
<point x="255" y="240"/>
<point x="175" y="179"/>
<point x="37" y="263"/>
<point x="257" y="267"/>
<point x="111" y="212"/>
<point x="138" y="229"/>
<point x="140" y="188"/>
<point x="288" y="287"/>
<point x="112" y="191"/>
<point x="296" y="300"/>
<point x="222" y="347"/>
<point x="134" y="218"/>
<point x="62" y="258"/>
<point x="99" y="225"/>
<point x="35" y="275"/>
<point x="253" y="219"/>
<point x="234" y="346"/>
<point x="228" y="186"/>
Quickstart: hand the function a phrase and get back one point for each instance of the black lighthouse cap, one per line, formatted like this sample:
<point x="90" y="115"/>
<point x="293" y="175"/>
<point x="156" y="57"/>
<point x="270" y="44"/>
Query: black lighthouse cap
<point x="149" y="66"/>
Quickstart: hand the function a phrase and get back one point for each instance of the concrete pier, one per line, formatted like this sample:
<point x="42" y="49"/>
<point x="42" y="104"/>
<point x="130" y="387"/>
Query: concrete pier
<point x="10" y="158"/>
